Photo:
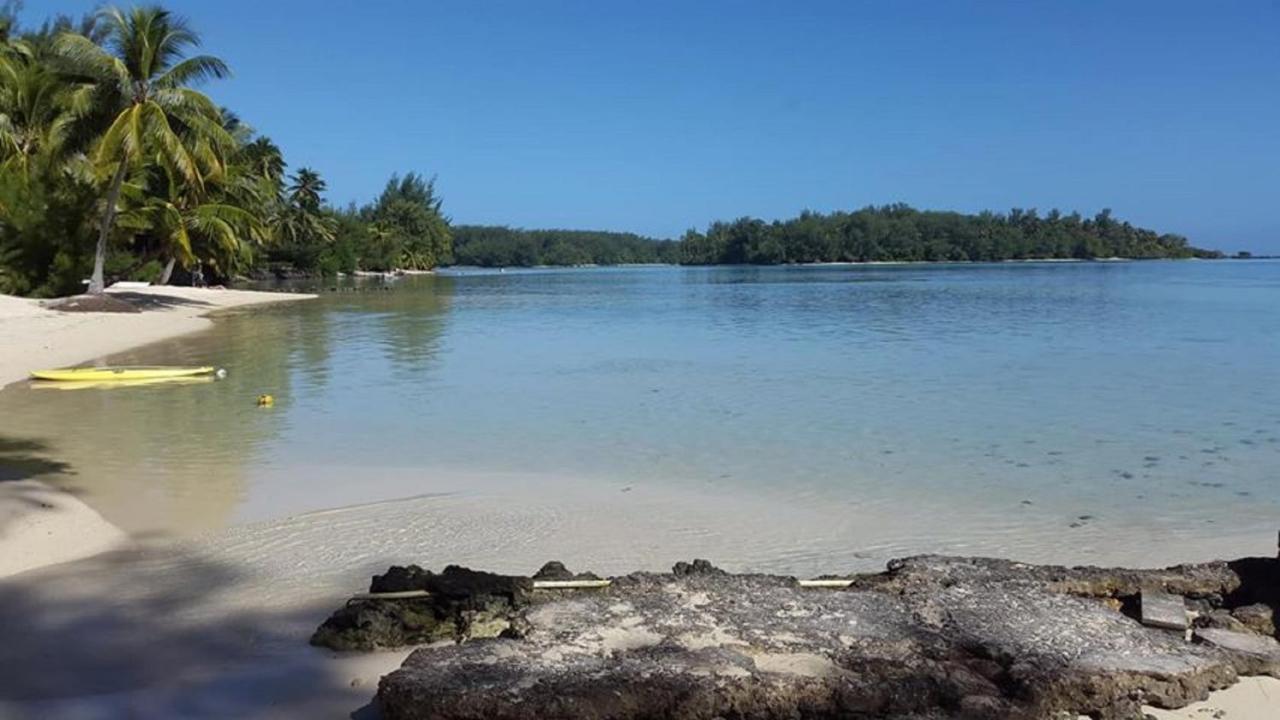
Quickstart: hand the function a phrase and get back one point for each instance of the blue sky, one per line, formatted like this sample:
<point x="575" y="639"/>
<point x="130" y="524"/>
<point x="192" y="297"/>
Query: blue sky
<point x="657" y="116"/>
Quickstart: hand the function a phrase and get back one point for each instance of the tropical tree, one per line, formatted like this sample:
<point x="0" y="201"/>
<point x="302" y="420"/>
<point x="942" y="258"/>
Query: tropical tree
<point x="408" y="216"/>
<point x="301" y="227"/>
<point x="137" y="87"/>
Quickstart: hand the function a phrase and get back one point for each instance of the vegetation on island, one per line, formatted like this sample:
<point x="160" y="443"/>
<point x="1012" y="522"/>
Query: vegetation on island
<point x="114" y="166"/>
<point x="899" y="233"/>
<point x="497" y="246"/>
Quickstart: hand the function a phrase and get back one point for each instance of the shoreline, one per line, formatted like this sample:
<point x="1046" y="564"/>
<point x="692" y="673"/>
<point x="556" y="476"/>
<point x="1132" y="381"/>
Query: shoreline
<point x="221" y="620"/>
<point x="33" y="336"/>
<point x="41" y="525"/>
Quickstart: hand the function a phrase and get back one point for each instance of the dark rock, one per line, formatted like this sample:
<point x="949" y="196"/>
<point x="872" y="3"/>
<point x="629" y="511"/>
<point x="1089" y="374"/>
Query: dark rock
<point x="1257" y="617"/>
<point x="697" y="567"/>
<point x="555" y="570"/>
<point x="379" y="624"/>
<point x="463" y="604"/>
<point x="400" y="579"/>
<point x="931" y="638"/>
<point x="1221" y="619"/>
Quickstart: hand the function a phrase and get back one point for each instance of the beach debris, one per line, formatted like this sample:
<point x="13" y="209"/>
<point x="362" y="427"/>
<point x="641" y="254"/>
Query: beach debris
<point x="97" y="303"/>
<point x="1163" y="610"/>
<point x="570" y="584"/>
<point x="826" y="582"/>
<point x="932" y="637"/>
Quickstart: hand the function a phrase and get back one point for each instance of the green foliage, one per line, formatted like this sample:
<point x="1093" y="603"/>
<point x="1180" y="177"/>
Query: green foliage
<point x="410" y="230"/>
<point x="113" y="167"/>
<point x="498" y="246"/>
<point x="898" y="233"/>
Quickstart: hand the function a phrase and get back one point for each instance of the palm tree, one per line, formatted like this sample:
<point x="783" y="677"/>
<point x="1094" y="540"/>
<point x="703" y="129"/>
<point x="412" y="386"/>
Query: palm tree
<point x="264" y="159"/>
<point x="195" y="231"/>
<point x="137" y="88"/>
<point x="302" y="222"/>
<point x="32" y="117"/>
<point x="306" y="189"/>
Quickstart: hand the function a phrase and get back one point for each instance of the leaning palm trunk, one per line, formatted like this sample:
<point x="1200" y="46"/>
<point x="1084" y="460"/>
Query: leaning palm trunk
<point x="97" y="282"/>
<point x="168" y="271"/>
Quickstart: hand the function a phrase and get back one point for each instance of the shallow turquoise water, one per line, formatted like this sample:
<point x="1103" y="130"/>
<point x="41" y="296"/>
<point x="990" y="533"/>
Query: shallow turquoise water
<point x="1121" y="392"/>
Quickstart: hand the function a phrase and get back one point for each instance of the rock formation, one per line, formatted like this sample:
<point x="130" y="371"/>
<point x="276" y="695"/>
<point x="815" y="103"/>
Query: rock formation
<point x="933" y="637"/>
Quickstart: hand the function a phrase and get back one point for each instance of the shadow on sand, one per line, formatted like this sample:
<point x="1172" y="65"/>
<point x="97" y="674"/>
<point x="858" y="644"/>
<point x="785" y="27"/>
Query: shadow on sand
<point x="162" y="633"/>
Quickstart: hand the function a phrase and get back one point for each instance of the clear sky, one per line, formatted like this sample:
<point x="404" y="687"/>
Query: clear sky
<point x="660" y="115"/>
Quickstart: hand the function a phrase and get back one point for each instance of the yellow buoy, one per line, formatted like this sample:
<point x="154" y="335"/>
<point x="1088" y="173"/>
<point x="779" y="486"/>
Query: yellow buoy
<point x="266" y="401"/>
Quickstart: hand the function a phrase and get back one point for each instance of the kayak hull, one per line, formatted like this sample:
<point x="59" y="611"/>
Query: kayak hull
<point x="118" y="374"/>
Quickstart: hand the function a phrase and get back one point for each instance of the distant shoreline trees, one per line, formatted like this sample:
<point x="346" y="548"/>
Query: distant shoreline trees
<point x="889" y="233"/>
<point x="900" y="233"/>
<point x="500" y="246"/>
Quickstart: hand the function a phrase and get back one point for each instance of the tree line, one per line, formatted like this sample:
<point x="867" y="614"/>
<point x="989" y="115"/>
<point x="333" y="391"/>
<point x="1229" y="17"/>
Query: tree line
<point x="113" y="166"/>
<point x="499" y="246"/>
<point x="900" y="233"/>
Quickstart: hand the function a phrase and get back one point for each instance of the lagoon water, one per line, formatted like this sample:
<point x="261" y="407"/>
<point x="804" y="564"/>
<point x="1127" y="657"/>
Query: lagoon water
<point x="1048" y="411"/>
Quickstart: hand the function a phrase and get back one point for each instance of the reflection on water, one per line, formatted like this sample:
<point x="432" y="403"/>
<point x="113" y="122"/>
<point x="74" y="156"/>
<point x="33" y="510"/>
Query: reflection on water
<point x="1046" y="398"/>
<point x="179" y="457"/>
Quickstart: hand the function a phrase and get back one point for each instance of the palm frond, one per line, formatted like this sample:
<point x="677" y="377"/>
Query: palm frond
<point x="171" y="147"/>
<point x="79" y="56"/>
<point x="193" y="71"/>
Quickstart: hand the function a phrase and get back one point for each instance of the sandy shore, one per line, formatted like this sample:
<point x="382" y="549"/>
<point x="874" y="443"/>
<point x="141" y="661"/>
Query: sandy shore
<point x="39" y="525"/>
<point x="32" y="336"/>
<point x="217" y="626"/>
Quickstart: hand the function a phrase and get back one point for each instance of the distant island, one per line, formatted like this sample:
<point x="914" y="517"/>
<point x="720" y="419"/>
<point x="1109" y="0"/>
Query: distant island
<point x="900" y="233"/>
<point x="500" y="246"/>
<point x="888" y="233"/>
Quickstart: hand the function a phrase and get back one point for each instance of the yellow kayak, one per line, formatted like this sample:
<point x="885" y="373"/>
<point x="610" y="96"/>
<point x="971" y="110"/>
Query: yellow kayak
<point x="63" y="385"/>
<point x="112" y="374"/>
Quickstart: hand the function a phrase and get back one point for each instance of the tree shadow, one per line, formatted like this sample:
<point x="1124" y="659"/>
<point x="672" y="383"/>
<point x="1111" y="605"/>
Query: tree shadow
<point x="162" y="632"/>
<point x="155" y="301"/>
<point x="27" y="459"/>
<point x="23" y="462"/>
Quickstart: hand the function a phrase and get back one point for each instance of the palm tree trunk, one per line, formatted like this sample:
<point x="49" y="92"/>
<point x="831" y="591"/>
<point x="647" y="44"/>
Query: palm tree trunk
<point x="168" y="271"/>
<point x="97" y="283"/>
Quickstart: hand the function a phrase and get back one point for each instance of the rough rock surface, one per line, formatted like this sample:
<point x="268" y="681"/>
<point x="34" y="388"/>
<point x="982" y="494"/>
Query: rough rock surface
<point x="463" y="604"/>
<point x="933" y="637"/>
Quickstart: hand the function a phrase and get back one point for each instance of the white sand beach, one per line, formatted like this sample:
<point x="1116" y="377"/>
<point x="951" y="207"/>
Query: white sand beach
<point x="33" y="336"/>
